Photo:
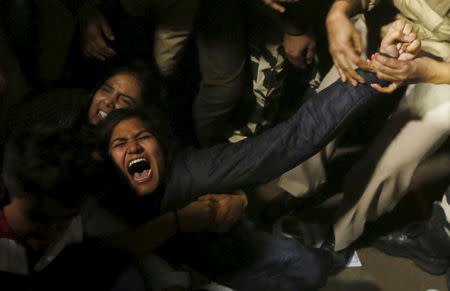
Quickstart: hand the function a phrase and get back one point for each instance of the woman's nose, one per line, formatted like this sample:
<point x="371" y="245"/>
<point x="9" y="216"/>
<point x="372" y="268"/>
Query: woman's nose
<point x="135" y="147"/>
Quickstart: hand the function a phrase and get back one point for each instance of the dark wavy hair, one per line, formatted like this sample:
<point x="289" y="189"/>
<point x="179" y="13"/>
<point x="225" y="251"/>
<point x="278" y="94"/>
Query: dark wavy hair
<point x="146" y="74"/>
<point x="48" y="160"/>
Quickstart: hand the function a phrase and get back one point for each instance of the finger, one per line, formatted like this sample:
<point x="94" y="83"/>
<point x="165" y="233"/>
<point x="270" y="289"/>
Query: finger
<point x="278" y="7"/>
<point x="108" y="52"/>
<point x="357" y="42"/>
<point x="382" y="61"/>
<point x="388" y="77"/>
<point x="397" y="68"/>
<point x="365" y="65"/>
<point x="392" y="77"/>
<point x="350" y="72"/>
<point x="389" y="89"/>
<point x="87" y="53"/>
<point x="414" y="46"/>
<point x="275" y="6"/>
<point x="407" y="29"/>
<point x="344" y="67"/>
<point x="340" y="72"/>
<point x="392" y="38"/>
<point x="397" y="26"/>
<point x="103" y="48"/>
<point x="100" y="52"/>
<point x="96" y="54"/>
<point x="106" y="29"/>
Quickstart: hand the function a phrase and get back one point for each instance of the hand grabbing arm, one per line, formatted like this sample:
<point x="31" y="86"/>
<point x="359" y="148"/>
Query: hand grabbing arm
<point x="345" y="43"/>
<point x="398" y="48"/>
<point x="230" y="208"/>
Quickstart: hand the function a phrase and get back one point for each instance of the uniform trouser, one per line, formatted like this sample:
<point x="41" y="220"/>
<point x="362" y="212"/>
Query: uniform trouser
<point x="377" y="182"/>
<point x="310" y="175"/>
<point x="222" y="56"/>
<point x="175" y="19"/>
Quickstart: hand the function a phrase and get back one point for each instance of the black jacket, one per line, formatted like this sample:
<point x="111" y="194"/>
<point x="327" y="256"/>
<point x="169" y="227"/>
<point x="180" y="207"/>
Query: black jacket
<point x="226" y="167"/>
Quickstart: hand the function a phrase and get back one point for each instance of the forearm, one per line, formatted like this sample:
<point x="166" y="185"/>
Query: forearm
<point x="144" y="238"/>
<point x="256" y="160"/>
<point x="343" y="7"/>
<point x="352" y="7"/>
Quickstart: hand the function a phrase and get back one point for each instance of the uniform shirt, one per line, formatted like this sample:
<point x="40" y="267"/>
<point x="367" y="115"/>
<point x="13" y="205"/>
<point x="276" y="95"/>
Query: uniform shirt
<point x="430" y="18"/>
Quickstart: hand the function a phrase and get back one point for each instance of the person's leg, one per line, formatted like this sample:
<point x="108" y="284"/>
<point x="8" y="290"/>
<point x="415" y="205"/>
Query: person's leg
<point x="222" y="56"/>
<point x="378" y="181"/>
<point x="175" y="19"/>
<point x="307" y="177"/>
<point x="427" y="243"/>
<point x="249" y="260"/>
<point x="310" y="175"/>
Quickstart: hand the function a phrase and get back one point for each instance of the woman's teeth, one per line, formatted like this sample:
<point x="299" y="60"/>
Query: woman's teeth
<point x="102" y="114"/>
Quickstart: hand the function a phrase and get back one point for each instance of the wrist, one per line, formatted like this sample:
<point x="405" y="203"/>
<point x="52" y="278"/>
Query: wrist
<point x="438" y="72"/>
<point x="338" y="10"/>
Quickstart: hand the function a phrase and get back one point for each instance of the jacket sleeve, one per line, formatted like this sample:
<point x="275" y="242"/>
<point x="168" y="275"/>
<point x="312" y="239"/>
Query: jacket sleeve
<point x="255" y="160"/>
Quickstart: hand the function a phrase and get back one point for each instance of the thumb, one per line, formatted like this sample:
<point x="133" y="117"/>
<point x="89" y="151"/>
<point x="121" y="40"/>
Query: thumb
<point x="106" y="29"/>
<point x="205" y="197"/>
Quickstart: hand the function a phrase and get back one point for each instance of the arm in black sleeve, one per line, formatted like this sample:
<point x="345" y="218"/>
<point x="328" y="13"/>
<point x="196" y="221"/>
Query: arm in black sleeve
<point x="257" y="160"/>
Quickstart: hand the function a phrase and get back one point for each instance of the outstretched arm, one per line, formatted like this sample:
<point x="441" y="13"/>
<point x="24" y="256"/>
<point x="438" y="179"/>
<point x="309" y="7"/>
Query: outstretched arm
<point x="258" y="159"/>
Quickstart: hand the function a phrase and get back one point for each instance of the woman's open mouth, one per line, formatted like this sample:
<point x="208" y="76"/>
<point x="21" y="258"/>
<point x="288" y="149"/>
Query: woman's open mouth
<point x="140" y="170"/>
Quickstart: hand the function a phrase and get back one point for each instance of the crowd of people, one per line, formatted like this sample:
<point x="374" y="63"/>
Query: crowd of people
<point x="130" y="157"/>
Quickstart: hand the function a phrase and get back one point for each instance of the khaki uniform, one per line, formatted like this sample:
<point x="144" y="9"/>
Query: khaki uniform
<point x="175" y="20"/>
<point x="420" y="125"/>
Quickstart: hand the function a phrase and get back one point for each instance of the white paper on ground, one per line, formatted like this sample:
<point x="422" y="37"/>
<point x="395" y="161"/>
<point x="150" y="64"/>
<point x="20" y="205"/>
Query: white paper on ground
<point x="355" y="261"/>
